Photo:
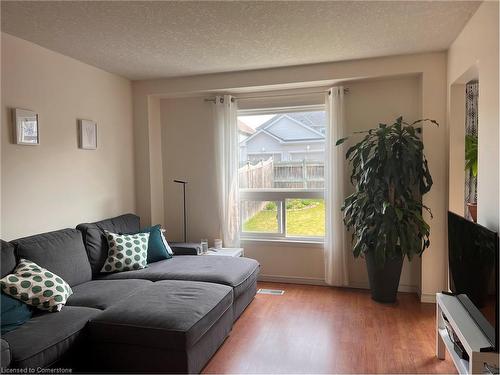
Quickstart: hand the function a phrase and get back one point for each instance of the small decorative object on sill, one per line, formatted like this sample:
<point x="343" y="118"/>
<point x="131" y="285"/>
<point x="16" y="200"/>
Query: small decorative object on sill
<point x="26" y="127"/>
<point x="218" y="243"/>
<point x="87" y="135"/>
<point x="204" y="246"/>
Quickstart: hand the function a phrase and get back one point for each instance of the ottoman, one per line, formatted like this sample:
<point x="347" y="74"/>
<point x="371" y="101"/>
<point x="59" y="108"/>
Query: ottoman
<point x="170" y="326"/>
<point x="239" y="273"/>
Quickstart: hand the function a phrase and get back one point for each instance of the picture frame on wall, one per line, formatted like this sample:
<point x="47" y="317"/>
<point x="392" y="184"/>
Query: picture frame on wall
<point x="88" y="135"/>
<point x="27" y="130"/>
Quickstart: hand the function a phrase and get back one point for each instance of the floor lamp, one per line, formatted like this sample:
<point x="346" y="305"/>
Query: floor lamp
<point x="184" y="195"/>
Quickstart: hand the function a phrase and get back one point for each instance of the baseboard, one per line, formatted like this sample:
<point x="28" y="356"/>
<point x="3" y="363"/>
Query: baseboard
<point x="292" y="280"/>
<point x="428" y="298"/>
<point x="315" y="281"/>
<point x="402" y="288"/>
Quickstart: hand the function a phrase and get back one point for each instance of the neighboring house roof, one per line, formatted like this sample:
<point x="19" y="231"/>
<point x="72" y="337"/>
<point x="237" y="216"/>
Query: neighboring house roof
<point x="313" y="119"/>
<point x="292" y="127"/>
<point x="244" y="128"/>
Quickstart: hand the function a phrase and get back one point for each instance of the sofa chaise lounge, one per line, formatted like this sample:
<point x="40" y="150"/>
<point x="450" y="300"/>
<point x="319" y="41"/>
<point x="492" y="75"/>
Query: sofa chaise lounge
<point x="169" y="317"/>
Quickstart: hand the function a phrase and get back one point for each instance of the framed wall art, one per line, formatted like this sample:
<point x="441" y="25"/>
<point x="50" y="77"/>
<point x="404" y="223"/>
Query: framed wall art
<point x="88" y="134"/>
<point x="27" y="131"/>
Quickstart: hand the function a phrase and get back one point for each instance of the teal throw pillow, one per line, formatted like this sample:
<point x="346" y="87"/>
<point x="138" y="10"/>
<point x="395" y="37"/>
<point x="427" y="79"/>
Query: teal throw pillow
<point x="156" y="246"/>
<point x="14" y="313"/>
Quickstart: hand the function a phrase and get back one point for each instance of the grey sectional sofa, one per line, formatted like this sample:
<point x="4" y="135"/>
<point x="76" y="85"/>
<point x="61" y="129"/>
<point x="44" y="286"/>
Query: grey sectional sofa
<point x="169" y="317"/>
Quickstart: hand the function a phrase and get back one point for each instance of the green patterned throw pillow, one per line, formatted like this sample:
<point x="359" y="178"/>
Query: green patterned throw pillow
<point x="36" y="286"/>
<point x="127" y="252"/>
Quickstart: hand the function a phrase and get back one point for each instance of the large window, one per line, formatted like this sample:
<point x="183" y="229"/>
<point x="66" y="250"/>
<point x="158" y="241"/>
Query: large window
<point x="281" y="173"/>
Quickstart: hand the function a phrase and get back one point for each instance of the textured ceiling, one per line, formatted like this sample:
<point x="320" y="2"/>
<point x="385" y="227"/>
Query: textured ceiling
<point x="147" y="39"/>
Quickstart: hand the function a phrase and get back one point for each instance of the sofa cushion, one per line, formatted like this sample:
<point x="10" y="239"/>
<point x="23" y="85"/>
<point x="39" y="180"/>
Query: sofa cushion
<point x="4" y="354"/>
<point x="235" y="272"/>
<point x="167" y="314"/>
<point x="61" y="252"/>
<point x="101" y="294"/>
<point x="46" y="338"/>
<point x="94" y="237"/>
<point x="126" y="252"/>
<point x="8" y="260"/>
<point x="36" y="286"/>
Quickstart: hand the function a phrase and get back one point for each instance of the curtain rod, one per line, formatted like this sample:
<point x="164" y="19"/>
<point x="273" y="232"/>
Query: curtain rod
<point x="346" y="91"/>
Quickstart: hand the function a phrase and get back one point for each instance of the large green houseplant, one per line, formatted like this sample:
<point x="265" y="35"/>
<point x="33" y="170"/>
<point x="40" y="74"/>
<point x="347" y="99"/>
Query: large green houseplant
<point x="390" y="174"/>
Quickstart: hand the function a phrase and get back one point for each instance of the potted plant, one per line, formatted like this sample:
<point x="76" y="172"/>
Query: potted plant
<point x="390" y="174"/>
<point x="471" y="167"/>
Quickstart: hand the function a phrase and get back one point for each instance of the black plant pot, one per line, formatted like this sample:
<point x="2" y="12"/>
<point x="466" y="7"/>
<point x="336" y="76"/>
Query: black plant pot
<point x="384" y="280"/>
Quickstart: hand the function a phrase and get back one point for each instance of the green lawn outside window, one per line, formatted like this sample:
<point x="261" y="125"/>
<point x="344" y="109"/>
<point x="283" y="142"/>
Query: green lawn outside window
<point x="305" y="218"/>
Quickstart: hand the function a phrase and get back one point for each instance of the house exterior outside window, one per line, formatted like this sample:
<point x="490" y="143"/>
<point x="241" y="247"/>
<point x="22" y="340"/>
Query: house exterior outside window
<point x="281" y="174"/>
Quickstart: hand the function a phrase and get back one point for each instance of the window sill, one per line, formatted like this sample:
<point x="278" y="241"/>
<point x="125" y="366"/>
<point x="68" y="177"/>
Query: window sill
<point x="298" y="242"/>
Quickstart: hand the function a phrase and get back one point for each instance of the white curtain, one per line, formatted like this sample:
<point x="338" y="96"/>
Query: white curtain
<point x="335" y="250"/>
<point x="227" y="169"/>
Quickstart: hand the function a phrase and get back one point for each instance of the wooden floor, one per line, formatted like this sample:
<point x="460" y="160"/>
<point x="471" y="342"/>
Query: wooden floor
<point x="316" y="329"/>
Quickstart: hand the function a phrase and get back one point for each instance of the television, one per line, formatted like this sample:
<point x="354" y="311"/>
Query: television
<point x="473" y="260"/>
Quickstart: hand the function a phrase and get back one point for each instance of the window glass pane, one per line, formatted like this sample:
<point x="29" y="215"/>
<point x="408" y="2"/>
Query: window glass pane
<point x="282" y="150"/>
<point x="260" y="216"/>
<point x="305" y="217"/>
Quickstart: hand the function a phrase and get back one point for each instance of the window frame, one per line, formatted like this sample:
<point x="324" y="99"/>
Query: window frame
<point x="280" y="195"/>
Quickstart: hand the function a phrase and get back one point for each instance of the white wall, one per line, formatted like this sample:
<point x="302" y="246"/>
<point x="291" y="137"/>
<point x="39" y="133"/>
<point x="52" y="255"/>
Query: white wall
<point x="456" y="125"/>
<point x="474" y="54"/>
<point x="55" y="184"/>
<point x="431" y="102"/>
<point x="188" y="153"/>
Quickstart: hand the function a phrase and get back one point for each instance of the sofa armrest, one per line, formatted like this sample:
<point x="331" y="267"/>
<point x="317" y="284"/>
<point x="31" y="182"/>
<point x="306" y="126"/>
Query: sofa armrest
<point x="5" y="356"/>
<point x="182" y="248"/>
